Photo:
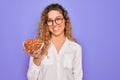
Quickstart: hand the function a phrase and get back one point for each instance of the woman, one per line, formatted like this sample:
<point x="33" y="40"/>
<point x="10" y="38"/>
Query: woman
<point x="62" y="59"/>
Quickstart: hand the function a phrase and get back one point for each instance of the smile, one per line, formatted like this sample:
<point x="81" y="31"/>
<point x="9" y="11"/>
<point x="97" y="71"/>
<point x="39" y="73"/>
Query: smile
<point x="56" y="28"/>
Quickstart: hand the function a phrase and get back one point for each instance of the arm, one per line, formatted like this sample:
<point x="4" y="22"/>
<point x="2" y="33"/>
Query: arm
<point x="33" y="70"/>
<point x="77" y="67"/>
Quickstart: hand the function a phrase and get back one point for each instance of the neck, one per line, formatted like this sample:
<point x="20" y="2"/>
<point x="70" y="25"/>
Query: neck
<point x="58" y="38"/>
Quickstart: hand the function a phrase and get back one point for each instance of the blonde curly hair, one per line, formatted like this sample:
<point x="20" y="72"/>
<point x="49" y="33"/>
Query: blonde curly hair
<point x="43" y="30"/>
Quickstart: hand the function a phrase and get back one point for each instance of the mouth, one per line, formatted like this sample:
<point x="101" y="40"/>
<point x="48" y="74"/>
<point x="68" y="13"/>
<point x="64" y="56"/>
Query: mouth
<point x="56" y="28"/>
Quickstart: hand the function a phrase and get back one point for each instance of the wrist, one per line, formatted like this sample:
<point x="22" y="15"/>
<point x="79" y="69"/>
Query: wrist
<point x="37" y="61"/>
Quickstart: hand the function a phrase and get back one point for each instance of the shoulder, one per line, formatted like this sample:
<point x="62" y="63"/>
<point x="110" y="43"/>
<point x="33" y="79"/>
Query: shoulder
<point x="74" y="45"/>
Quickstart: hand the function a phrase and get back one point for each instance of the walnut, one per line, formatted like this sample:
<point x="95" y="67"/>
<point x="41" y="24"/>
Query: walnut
<point x="33" y="45"/>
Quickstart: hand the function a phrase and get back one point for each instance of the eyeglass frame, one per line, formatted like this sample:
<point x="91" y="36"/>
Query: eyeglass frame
<point x="56" y="21"/>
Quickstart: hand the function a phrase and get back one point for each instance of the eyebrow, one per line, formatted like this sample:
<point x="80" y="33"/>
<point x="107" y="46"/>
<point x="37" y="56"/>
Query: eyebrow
<point x="56" y="17"/>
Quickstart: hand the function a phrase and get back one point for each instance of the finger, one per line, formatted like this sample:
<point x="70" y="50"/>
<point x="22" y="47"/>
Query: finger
<point x="24" y="50"/>
<point x="38" y="54"/>
<point x="33" y="54"/>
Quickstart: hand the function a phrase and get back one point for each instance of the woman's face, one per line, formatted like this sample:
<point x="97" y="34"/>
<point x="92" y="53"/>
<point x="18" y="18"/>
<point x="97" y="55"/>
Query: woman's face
<point x="56" y="23"/>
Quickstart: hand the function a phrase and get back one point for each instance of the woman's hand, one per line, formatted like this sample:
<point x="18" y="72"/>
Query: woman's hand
<point x="37" y="57"/>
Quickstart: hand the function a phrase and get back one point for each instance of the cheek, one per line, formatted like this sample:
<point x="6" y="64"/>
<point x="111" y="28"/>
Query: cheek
<point x="50" y="29"/>
<point x="63" y="25"/>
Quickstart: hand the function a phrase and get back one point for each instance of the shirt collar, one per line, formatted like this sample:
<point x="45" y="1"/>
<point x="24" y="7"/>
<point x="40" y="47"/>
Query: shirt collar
<point x="66" y="42"/>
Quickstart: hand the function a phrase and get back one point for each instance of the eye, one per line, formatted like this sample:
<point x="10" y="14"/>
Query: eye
<point x="58" y="18"/>
<point x="49" y="20"/>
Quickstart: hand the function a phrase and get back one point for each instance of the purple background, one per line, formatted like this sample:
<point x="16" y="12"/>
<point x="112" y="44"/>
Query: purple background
<point x="95" y="23"/>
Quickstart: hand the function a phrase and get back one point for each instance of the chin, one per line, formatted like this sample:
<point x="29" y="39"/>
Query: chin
<point x="57" y="33"/>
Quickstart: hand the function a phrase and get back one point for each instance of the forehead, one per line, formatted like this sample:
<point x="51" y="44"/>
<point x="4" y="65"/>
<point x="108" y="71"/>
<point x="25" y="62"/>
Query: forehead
<point x="53" y="14"/>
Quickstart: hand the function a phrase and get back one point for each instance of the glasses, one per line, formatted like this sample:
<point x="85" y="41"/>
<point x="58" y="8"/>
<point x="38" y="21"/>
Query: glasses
<point x="58" y="21"/>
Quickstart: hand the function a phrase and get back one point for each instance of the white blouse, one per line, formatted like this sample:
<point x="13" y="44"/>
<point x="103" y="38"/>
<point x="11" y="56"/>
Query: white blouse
<point x="65" y="65"/>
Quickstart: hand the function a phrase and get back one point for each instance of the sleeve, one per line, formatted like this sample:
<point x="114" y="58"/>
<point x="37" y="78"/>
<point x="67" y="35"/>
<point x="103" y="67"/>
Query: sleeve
<point x="33" y="70"/>
<point x="77" y="67"/>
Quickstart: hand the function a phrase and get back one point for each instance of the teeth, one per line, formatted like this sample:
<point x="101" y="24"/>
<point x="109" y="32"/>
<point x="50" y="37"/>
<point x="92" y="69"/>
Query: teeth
<point x="56" y="28"/>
